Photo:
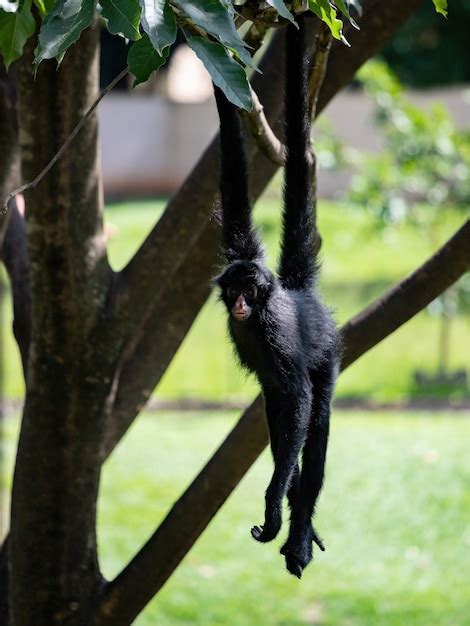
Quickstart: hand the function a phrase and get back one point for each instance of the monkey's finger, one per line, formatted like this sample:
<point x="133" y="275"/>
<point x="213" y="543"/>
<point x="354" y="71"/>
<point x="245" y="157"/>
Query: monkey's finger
<point x="256" y="532"/>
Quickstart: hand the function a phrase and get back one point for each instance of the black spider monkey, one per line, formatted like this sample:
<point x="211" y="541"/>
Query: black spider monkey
<point x="281" y="330"/>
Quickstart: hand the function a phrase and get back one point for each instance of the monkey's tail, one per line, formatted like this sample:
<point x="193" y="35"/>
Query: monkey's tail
<point x="240" y="239"/>
<point x="298" y="266"/>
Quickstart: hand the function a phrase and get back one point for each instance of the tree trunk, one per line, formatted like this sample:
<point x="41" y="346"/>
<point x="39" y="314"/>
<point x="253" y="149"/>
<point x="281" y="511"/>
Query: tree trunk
<point x="54" y="575"/>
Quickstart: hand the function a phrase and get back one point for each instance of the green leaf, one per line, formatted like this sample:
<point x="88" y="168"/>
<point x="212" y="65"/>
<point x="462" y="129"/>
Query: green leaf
<point x="213" y="17"/>
<point x="143" y="59"/>
<point x="327" y="13"/>
<point x="441" y="7"/>
<point x="9" y="6"/>
<point x="44" y="6"/>
<point x="159" y="22"/>
<point x="123" y="17"/>
<point x="224" y="70"/>
<point x="15" y="29"/>
<point x="282" y="10"/>
<point x="344" y="8"/>
<point x="63" y="27"/>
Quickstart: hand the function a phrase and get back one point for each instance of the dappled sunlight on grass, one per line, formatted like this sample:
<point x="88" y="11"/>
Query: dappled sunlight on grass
<point x="394" y="515"/>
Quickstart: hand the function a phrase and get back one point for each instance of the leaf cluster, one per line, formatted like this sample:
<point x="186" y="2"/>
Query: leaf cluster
<point x="151" y="25"/>
<point x="208" y="26"/>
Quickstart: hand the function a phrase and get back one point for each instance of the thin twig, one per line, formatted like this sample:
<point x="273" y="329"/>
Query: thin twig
<point x="320" y="62"/>
<point x="269" y="144"/>
<point x="263" y="134"/>
<point x="65" y="145"/>
<point x="315" y="81"/>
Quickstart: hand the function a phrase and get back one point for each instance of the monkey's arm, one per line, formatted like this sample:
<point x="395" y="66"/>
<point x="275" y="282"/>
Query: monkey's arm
<point x="240" y="238"/>
<point x="297" y="268"/>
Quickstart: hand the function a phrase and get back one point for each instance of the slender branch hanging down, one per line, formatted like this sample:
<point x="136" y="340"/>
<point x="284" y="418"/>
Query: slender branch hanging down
<point x="65" y="145"/>
<point x="266" y="139"/>
<point x="320" y="62"/>
<point x="255" y="120"/>
<point x="262" y="133"/>
<point x="148" y="571"/>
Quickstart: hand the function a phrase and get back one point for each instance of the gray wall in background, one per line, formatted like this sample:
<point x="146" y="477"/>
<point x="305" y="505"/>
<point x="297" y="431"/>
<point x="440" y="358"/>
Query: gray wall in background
<point x="150" y="144"/>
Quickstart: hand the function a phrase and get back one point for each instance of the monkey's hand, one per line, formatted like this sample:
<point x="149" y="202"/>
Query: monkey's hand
<point x="267" y="532"/>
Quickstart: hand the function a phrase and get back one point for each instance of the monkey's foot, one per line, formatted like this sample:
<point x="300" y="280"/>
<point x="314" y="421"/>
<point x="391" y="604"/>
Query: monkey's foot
<point x="298" y="552"/>
<point x="297" y="557"/>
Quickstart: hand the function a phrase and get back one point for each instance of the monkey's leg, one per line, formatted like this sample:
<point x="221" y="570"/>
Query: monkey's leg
<point x="273" y="425"/>
<point x="298" y="548"/>
<point x="288" y="420"/>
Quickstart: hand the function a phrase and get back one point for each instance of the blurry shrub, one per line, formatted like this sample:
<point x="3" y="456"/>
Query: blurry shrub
<point x="425" y="160"/>
<point x="424" y="168"/>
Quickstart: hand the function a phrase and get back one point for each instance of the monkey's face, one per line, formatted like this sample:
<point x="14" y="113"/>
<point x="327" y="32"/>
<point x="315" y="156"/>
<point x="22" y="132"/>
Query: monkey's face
<point x="241" y="301"/>
<point x="244" y="288"/>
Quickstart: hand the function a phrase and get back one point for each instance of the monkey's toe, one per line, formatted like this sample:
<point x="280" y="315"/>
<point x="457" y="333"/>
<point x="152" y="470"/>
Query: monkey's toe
<point x="293" y="566"/>
<point x="264" y="533"/>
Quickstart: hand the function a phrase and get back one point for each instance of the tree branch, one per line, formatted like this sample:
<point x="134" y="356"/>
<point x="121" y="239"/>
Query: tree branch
<point x="126" y="596"/>
<point x="146" y="362"/>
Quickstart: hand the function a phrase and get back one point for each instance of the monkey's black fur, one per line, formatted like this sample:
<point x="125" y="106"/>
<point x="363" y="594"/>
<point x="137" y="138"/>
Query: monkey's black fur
<point x="281" y="330"/>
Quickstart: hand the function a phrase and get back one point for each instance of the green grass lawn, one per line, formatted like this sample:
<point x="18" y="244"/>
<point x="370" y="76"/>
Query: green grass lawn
<point x="395" y="516"/>
<point x="359" y="262"/>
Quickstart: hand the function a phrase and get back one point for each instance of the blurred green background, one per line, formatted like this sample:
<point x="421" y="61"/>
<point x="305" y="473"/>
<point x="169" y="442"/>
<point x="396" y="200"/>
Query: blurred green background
<point x="393" y="514"/>
<point x="360" y="261"/>
<point x="395" y="510"/>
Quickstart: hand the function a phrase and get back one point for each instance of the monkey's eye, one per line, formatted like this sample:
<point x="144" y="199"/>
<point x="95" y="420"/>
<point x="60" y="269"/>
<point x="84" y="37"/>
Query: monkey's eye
<point x="232" y="293"/>
<point x="252" y="292"/>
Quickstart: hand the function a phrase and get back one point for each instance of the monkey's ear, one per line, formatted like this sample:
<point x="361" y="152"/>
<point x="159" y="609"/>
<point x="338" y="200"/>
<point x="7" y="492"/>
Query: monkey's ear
<point x="265" y="288"/>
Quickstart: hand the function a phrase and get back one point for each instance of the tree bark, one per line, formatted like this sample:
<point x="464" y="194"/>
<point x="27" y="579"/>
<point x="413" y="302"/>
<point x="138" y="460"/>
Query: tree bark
<point x="54" y="576"/>
<point x="9" y="156"/>
<point x="148" y="571"/>
<point x="170" y="307"/>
